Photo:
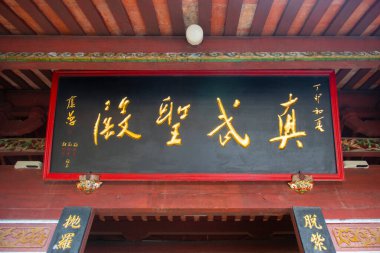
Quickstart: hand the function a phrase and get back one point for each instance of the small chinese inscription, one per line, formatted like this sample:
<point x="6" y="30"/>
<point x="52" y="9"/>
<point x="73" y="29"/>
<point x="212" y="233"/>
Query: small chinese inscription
<point x="71" y="118"/>
<point x="69" y="151"/>
<point x="317" y="110"/>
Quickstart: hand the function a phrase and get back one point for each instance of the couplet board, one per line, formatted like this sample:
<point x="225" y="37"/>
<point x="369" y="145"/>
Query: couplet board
<point x="203" y="125"/>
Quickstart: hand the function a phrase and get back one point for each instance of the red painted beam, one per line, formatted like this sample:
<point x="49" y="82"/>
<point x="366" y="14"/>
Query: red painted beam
<point x="191" y="65"/>
<point x="178" y="44"/>
<point x="357" y="197"/>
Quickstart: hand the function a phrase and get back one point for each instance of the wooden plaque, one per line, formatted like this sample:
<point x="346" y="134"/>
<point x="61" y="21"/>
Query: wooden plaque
<point x="193" y="125"/>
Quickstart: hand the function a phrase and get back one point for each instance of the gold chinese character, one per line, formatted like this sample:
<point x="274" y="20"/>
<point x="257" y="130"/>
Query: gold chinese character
<point x="123" y="105"/>
<point x="317" y="97"/>
<point x="71" y="118"/>
<point x="319" y="125"/>
<point x="75" y="144"/>
<point x="288" y="131"/>
<point x="124" y="126"/>
<point x="166" y="114"/>
<point x="184" y="111"/>
<point x="244" y="142"/>
<point x="316" y="86"/>
<point x="107" y="104"/>
<point x="317" y="111"/>
<point x="65" y="242"/>
<point x="64" y="144"/>
<point x="164" y="109"/>
<point x="311" y="221"/>
<point x="318" y="241"/>
<point x="71" y="102"/>
<point x="107" y="131"/>
<point x="175" y="134"/>
<point x="67" y="163"/>
<point x="72" y="221"/>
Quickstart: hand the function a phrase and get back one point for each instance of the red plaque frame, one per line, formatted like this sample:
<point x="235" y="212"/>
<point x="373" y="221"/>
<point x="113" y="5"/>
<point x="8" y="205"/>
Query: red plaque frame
<point x="339" y="176"/>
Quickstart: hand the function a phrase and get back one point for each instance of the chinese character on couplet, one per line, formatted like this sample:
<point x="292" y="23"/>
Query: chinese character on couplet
<point x="316" y="86"/>
<point x="71" y="102"/>
<point x="72" y="221"/>
<point x="318" y="241"/>
<point x="166" y="114"/>
<point x="311" y="221"/>
<point x="317" y="97"/>
<point x="227" y="122"/>
<point x="317" y="111"/>
<point x="319" y="125"/>
<point x="65" y="242"/>
<point x="289" y="129"/>
<point x="71" y="119"/>
<point x="108" y="130"/>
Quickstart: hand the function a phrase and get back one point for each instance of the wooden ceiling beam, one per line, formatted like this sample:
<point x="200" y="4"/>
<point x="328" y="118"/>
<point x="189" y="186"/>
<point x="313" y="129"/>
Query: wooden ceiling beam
<point x="247" y="14"/>
<point x="42" y="77"/>
<point x="26" y="79"/>
<point x="320" y="65"/>
<point x="9" y="43"/>
<point x="114" y="45"/>
<point x="53" y="17"/>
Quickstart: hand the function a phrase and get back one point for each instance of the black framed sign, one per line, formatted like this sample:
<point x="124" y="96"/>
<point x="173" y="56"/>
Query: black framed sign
<point x="193" y="125"/>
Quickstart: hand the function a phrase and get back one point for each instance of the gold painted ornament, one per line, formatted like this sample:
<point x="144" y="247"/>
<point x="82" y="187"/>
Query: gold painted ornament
<point x="88" y="183"/>
<point x="301" y="183"/>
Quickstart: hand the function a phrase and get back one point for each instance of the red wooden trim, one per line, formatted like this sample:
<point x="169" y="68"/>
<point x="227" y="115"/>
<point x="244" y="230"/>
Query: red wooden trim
<point x="87" y="231"/>
<point x="296" y="232"/>
<point x="187" y="176"/>
<point x="164" y="44"/>
<point x="336" y="126"/>
<point x="50" y="125"/>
